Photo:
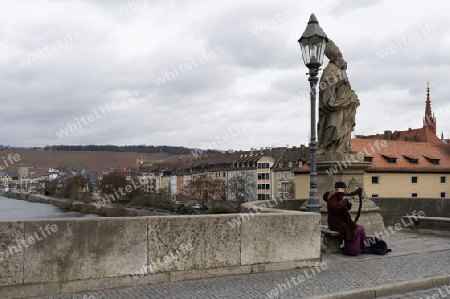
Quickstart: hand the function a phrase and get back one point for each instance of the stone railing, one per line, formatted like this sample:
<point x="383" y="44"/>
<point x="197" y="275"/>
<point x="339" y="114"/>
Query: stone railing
<point x="273" y="206"/>
<point x="392" y="210"/>
<point x="58" y="256"/>
<point x="370" y="218"/>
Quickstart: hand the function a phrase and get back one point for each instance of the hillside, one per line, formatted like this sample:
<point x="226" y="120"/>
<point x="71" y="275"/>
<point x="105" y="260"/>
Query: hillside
<point x="87" y="160"/>
<point x="144" y="149"/>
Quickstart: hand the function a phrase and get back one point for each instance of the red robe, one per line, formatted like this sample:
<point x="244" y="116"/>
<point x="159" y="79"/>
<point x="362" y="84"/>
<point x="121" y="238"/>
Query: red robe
<point x="338" y="216"/>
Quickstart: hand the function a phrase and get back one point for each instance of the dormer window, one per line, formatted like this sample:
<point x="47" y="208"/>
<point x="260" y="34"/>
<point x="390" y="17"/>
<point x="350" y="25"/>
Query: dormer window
<point x="390" y="159"/>
<point x="433" y="160"/>
<point x="411" y="159"/>
<point x="368" y="159"/>
<point x="290" y="164"/>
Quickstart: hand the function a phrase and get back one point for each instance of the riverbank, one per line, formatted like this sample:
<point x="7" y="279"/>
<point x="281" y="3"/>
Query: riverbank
<point x="111" y="210"/>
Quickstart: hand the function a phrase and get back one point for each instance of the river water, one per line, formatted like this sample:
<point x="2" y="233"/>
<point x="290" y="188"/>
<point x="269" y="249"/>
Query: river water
<point x="21" y="209"/>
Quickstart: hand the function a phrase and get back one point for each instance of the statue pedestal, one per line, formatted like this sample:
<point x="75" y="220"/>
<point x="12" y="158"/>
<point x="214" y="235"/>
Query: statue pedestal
<point x="349" y="169"/>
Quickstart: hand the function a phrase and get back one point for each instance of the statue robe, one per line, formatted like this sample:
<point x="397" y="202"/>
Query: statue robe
<point x="337" y="110"/>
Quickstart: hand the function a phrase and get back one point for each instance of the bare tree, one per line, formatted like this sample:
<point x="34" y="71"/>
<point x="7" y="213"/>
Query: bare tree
<point x="114" y="184"/>
<point x="241" y="186"/>
<point x="203" y="188"/>
<point x="288" y="190"/>
<point x="292" y="189"/>
<point x="73" y="185"/>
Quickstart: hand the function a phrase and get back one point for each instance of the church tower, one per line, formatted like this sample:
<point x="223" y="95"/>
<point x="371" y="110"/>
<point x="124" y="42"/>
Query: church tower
<point x="429" y="121"/>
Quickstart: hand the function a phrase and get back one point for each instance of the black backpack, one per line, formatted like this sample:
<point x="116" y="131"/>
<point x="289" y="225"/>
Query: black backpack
<point x="375" y="246"/>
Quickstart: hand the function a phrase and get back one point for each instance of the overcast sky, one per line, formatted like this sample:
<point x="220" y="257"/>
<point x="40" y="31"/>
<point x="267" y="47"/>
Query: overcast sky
<point x="108" y="72"/>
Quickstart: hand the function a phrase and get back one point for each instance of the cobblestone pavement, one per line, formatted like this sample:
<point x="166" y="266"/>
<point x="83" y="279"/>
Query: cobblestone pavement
<point x="413" y="257"/>
<point x="441" y="292"/>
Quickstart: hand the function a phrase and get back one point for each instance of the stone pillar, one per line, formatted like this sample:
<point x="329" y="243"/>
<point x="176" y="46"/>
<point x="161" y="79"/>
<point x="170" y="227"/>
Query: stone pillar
<point x="349" y="169"/>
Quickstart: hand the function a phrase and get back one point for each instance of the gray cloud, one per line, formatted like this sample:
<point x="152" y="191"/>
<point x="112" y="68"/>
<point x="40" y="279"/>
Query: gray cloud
<point x="256" y="69"/>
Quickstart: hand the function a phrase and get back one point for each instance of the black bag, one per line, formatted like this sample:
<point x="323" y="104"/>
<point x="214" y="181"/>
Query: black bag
<point x="375" y="246"/>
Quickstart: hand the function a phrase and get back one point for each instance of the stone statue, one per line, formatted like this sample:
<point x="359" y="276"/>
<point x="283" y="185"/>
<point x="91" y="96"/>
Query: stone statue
<point x="337" y="105"/>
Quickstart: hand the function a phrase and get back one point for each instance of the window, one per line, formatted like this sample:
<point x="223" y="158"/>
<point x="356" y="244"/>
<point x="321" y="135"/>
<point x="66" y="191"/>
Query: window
<point x="285" y="175"/>
<point x="263" y="176"/>
<point x="290" y="164"/>
<point x="433" y="160"/>
<point x="390" y="159"/>
<point x="411" y="159"/>
<point x="279" y="185"/>
<point x="374" y="195"/>
<point x="263" y="186"/>
<point x="375" y="180"/>
<point x="368" y="159"/>
<point x="442" y="179"/>
<point x="279" y="175"/>
<point x="292" y="175"/>
<point x="442" y="194"/>
<point x="414" y="180"/>
<point x="414" y="195"/>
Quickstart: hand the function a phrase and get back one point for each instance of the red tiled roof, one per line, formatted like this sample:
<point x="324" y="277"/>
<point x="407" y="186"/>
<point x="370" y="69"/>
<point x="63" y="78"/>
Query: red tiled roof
<point x="403" y="150"/>
<point x="417" y="135"/>
<point x="304" y="169"/>
<point x="292" y="156"/>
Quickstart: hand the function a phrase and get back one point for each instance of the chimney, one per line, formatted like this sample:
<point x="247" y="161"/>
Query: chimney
<point x="387" y="135"/>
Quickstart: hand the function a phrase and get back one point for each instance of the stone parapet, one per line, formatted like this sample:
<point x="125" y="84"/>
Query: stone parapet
<point x="85" y="254"/>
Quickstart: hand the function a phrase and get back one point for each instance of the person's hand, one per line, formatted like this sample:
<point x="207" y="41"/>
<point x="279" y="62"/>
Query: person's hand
<point x="349" y="205"/>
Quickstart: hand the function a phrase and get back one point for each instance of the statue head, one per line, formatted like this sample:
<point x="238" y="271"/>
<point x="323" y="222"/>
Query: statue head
<point x="333" y="53"/>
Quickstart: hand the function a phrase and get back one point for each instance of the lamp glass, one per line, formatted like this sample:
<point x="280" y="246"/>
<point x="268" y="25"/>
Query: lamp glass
<point x="313" y="50"/>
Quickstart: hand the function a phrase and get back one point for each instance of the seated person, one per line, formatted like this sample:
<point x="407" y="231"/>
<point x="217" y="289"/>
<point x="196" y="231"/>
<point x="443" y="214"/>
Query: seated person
<point x="339" y="219"/>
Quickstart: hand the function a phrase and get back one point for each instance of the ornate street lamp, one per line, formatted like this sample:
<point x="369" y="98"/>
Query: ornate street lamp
<point x="312" y="43"/>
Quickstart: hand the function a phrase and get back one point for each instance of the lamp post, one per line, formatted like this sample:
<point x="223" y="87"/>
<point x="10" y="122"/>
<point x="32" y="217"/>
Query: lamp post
<point x="312" y="43"/>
